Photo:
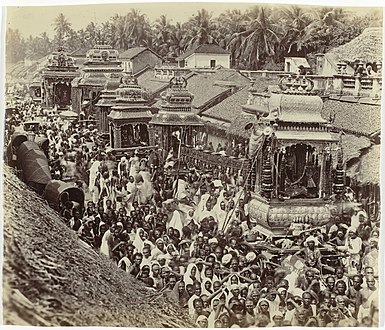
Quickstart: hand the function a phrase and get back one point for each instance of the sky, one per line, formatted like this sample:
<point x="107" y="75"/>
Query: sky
<point x="34" y="20"/>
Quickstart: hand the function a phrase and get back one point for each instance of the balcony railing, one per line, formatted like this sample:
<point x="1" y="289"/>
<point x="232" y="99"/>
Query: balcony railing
<point x="166" y="72"/>
<point x="349" y="82"/>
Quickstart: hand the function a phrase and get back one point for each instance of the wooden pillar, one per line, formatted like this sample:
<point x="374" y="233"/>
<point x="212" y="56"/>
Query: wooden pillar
<point x="151" y="134"/>
<point x="104" y="119"/>
<point x="117" y="137"/>
<point x="99" y="118"/>
<point x="322" y="176"/>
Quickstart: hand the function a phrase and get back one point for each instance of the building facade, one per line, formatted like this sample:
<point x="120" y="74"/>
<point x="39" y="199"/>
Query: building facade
<point x="205" y="56"/>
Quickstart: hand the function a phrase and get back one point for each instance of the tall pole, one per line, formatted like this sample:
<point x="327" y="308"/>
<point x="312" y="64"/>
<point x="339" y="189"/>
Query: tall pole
<point x="179" y="150"/>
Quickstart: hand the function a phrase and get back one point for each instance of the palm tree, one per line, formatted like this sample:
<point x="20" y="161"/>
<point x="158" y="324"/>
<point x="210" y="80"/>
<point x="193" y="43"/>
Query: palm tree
<point x="107" y="32"/>
<point x="177" y="40"/>
<point x="230" y="26"/>
<point x="139" y="28"/>
<point x="72" y="41"/>
<point x="82" y="39"/>
<point x="120" y="31"/>
<point x="92" y="34"/>
<point x="62" y="28"/>
<point x="294" y="23"/>
<point x="201" y="29"/>
<point x="319" y="32"/>
<point x="260" y="38"/>
<point x="162" y="30"/>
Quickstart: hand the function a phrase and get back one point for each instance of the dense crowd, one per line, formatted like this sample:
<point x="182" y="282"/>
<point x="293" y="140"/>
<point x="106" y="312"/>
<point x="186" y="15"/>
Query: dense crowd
<point x="188" y="235"/>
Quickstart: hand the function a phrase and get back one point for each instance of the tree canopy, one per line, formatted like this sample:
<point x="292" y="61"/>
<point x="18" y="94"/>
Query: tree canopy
<point x="259" y="37"/>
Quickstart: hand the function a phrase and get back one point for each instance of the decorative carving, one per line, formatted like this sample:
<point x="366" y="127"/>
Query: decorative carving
<point x="296" y="84"/>
<point x="178" y="82"/>
<point x="129" y="80"/>
<point x="105" y="56"/>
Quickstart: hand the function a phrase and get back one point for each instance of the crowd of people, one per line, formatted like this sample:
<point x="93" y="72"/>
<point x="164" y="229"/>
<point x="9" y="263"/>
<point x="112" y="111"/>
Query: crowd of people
<point x="188" y="235"/>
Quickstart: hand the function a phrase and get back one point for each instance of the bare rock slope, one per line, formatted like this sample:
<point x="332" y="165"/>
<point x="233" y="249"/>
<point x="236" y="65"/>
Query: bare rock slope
<point x="51" y="278"/>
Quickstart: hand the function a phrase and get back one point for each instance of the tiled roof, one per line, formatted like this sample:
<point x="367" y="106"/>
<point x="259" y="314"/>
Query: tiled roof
<point x="354" y="117"/>
<point x="133" y="52"/>
<point x="230" y="108"/>
<point x="147" y="80"/>
<point x="237" y="127"/>
<point x="206" y="88"/>
<point x="203" y="49"/>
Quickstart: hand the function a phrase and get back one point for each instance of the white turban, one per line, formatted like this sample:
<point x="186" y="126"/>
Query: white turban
<point x="226" y="258"/>
<point x="251" y="256"/>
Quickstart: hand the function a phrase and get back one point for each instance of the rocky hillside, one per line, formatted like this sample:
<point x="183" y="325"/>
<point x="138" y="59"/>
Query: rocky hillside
<point x="50" y="278"/>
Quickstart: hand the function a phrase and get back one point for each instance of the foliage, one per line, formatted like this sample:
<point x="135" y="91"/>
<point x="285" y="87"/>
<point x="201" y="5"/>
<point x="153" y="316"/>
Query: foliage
<point x="258" y="38"/>
<point x="63" y="30"/>
<point x="15" y="46"/>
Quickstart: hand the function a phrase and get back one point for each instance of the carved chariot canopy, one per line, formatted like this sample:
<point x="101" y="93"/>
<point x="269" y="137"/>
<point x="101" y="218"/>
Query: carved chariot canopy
<point x="102" y="53"/>
<point x="60" y="59"/>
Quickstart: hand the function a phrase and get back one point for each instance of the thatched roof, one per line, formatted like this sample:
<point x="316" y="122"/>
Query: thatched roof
<point x="366" y="47"/>
<point x="51" y="278"/>
<point x="367" y="168"/>
<point x="353" y="145"/>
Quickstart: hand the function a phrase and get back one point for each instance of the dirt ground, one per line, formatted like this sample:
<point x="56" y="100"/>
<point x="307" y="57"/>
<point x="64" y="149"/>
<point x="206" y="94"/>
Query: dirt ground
<point x="51" y="278"/>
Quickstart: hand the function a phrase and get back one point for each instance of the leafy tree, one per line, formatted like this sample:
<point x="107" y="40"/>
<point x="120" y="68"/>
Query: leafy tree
<point x="15" y="46"/>
<point x="260" y="38"/>
<point x="230" y="25"/>
<point x="162" y="30"/>
<point x="63" y="29"/>
<point x="139" y="28"/>
<point x="39" y="46"/>
<point x="201" y="29"/>
<point x="177" y="40"/>
<point x="294" y="22"/>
